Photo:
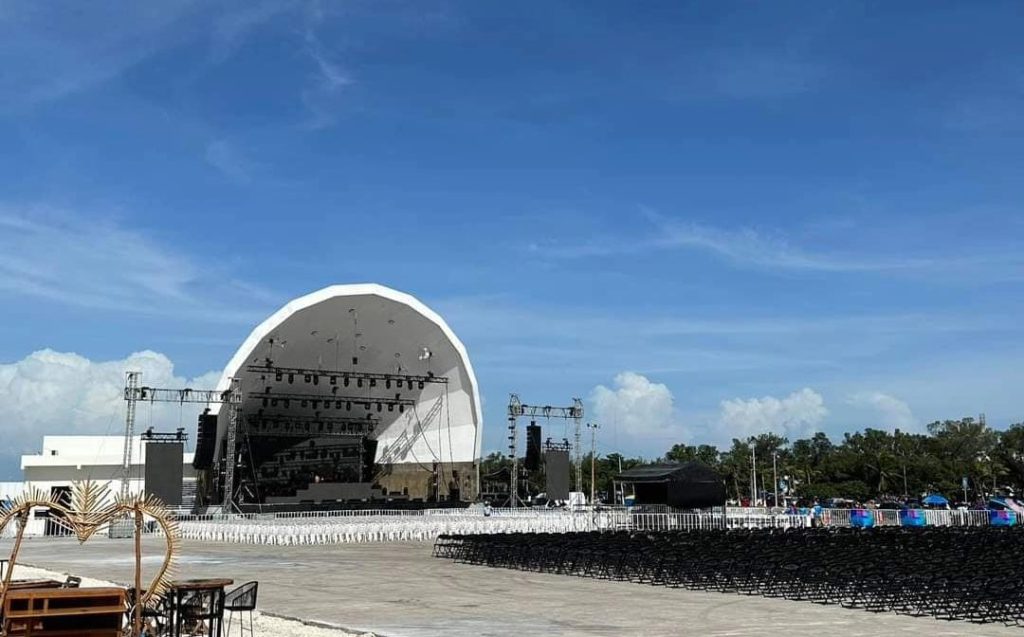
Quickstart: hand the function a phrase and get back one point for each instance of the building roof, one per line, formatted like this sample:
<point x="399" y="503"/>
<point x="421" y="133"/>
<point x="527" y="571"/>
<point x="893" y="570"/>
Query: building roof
<point x="371" y="328"/>
<point x="665" y="472"/>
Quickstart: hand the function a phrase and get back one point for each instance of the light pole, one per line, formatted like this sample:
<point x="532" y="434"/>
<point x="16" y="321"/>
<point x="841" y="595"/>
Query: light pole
<point x="775" y="476"/>
<point x="593" y="427"/>
<point x="753" y="473"/>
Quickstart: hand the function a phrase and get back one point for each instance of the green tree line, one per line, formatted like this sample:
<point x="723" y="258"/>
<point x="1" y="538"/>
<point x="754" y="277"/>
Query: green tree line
<point x="868" y="464"/>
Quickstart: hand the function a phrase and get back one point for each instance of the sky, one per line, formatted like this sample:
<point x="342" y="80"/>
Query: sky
<point x="707" y="220"/>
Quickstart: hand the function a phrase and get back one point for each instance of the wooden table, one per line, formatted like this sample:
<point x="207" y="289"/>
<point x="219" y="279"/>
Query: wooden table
<point x="213" y="613"/>
<point x="20" y="584"/>
<point x="53" y="612"/>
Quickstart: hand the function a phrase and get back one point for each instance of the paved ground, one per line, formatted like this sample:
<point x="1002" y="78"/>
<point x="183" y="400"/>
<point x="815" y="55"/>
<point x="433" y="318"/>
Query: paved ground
<point x="400" y="590"/>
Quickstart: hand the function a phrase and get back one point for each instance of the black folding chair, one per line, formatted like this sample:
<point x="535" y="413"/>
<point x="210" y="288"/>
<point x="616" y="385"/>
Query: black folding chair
<point x="241" y="600"/>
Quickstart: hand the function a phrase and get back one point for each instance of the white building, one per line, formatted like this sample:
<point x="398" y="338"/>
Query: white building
<point x="68" y="459"/>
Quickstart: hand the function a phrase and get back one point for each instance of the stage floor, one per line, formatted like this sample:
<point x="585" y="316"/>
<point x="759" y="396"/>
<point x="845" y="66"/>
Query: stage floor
<point x="400" y="590"/>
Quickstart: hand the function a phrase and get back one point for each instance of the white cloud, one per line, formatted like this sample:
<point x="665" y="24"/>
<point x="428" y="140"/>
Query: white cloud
<point x="634" y="406"/>
<point x="226" y="158"/>
<point x="796" y="415"/>
<point x="329" y="81"/>
<point x="893" y="411"/>
<point x="93" y="262"/>
<point x="50" y="392"/>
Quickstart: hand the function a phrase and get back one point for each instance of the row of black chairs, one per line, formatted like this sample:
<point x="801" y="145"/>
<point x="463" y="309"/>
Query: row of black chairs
<point x="195" y="610"/>
<point x="954" y="573"/>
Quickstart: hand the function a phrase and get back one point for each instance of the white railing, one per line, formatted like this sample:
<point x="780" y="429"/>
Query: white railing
<point x="325" y="527"/>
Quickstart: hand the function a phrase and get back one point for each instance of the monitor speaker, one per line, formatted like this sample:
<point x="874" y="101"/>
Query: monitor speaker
<point x="532" y="447"/>
<point x="206" y="436"/>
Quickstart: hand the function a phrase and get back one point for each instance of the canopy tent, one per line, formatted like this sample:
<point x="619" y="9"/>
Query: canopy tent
<point x="935" y="500"/>
<point x="691" y="485"/>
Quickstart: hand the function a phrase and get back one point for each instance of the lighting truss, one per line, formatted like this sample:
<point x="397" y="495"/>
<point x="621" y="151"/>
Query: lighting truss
<point x="322" y="401"/>
<point x="346" y="378"/>
<point x="260" y="425"/>
<point x="158" y="395"/>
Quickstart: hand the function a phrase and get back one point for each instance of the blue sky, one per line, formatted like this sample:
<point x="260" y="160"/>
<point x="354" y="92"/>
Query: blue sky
<point x="707" y="219"/>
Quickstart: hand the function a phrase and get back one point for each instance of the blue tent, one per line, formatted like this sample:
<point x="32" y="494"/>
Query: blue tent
<point x="935" y="500"/>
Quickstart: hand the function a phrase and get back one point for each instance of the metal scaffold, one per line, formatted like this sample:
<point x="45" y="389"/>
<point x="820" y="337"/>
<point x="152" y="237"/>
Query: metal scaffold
<point x="134" y="394"/>
<point x="517" y="409"/>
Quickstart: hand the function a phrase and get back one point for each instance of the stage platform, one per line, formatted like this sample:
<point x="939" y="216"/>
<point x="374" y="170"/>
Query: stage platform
<point x="400" y="590"/>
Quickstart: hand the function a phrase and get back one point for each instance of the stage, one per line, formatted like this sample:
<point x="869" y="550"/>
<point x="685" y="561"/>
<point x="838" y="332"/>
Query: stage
<point x="400" y="590"/>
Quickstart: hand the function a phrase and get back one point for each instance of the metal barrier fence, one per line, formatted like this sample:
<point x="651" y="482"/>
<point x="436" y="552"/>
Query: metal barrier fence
<point x="323" y="527"/>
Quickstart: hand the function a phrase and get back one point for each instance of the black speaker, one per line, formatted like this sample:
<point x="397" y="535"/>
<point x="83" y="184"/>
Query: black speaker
<point x="369" y="452"/>
<point x="532" y="447"/>
<point x="206" y="437"/>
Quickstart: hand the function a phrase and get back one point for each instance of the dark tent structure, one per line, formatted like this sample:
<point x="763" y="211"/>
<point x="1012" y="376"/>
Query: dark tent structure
<point x="690" y="485"/>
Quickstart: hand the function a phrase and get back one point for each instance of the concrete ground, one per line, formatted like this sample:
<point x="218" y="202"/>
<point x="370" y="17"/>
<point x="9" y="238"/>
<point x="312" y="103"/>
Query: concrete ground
<point x="400" y="590"/>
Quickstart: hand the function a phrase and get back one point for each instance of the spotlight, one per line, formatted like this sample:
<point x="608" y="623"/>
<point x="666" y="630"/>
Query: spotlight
<point x="346" y="381"/>
<point x="348" y="406"/>
<point x="379" y="407"/>
<point x="306" y="378"/>
<point x="291" y="378"/>
<point x="287" y="403"/>
<point x="373" y="382"/>
<point x="305" y="403"/>
<point x="265" y="401"/>
<point x="355" y="360"/>
<point x="337" y="405"/>
<point x="278" y="376"/>
<point x="367" y="406"/>
<point x="273" y="402"/>
<point x="421" y="384"/>
<point x="398" y="383"/>
<point x="334" y="380"/>
<point x="316" y="403"/>
<point x="401" y="409"/>
<point x="391" y="406"/>
<point x="266" y="390"/>
<point x="359" y="382"/>
<point x="316" y="380"/>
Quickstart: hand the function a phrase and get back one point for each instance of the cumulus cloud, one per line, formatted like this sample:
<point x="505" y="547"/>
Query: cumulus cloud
<point x="634" y="405"/>
<point x="50" y="392"/>
<point x="893" y="411"/>
<point x="798" y="414"/>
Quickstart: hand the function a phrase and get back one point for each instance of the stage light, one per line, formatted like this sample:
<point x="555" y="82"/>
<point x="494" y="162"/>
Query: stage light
<point x="348" y="406"/>
<point x="278" y="376"/>
<point x="273" y="402"/>
<point x="398" y="383"/>
<point x="387" y="383"/>
<point x="359" y="382"/>
<point x="265" y="401"/>
<point x="287" y="403"/>
<point x="334" y="380"/>
<point x="346" y="381"/>
<point x="401" y="409"/>
<point x="291" y="378"/>
<point x="316" y="403"/>
<point x="307" y="378"/>
<point x="305" y="403"/>
<point x="373" y="382"/>
<point x="367" y="406"/>
<point x="316" y="379"/>
<point x="337" y="405"/>
<point x="379" y="407"/>
<point x="421" y="384"/>
<point x="391" y="406"/>
<point x="355" y="360"/>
